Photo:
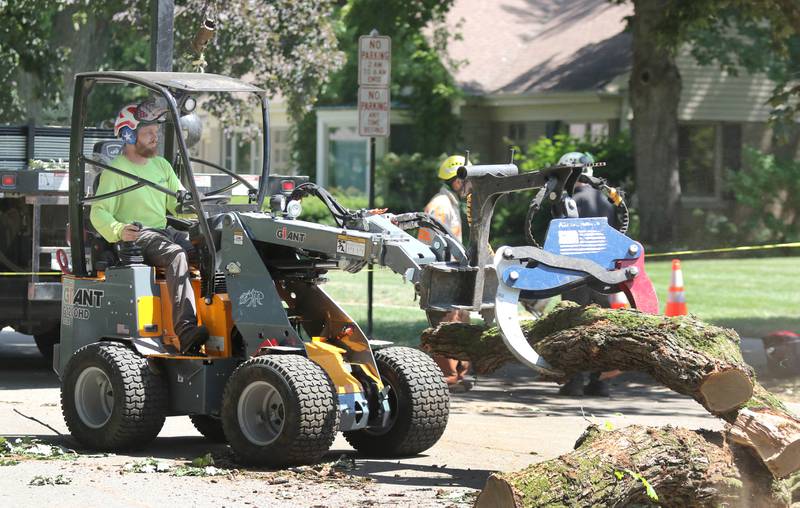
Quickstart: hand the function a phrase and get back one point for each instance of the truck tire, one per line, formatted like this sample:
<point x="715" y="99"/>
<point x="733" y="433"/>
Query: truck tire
<point x="210" y="427"/>
<point x="418" y="400"/>
<point x="45" y="342"/>
<point x="111" y="399"/>
<point x="280" y="410"/>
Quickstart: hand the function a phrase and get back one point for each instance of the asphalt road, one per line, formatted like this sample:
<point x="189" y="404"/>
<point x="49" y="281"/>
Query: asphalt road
<point x="505" y="423"/>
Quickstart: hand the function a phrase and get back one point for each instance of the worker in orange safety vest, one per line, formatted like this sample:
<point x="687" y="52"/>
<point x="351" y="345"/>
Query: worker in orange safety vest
<point x="444" y="206"/>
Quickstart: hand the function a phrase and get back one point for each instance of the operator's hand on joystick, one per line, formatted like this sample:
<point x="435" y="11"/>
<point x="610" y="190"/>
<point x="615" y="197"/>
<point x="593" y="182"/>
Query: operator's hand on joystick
<point x="130" y="232"/>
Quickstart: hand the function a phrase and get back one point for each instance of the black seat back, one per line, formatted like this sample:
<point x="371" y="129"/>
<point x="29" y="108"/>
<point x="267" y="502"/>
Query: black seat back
<point x="103" y="255"/>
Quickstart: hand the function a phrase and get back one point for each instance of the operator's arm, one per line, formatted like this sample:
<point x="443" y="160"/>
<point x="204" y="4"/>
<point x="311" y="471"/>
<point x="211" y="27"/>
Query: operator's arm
<point x="104" y="211"/>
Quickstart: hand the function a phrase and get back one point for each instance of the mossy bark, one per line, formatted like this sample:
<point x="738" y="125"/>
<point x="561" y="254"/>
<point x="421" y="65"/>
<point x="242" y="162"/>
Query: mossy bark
<point x="682" y="353"/>
<point x="615" y="468"/>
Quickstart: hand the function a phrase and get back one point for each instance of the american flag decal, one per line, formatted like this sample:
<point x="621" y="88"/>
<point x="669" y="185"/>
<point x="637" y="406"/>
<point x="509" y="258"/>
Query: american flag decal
<point x="581" y="241"/>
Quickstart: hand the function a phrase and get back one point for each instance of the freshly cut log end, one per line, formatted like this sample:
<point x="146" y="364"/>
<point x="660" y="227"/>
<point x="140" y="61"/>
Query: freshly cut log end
<point x="498" y="494"/>
<point x="775" y="437"/>
<point x="725" y="391"/>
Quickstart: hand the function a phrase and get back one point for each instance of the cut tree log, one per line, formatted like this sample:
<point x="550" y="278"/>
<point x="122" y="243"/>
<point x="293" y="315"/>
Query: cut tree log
<point x="682" y="353"/>
<point x="642" y="466"/>
<point x="775" y="438"/>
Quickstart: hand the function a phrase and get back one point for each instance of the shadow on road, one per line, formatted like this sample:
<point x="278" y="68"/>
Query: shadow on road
<point x="513" y="392"/>
<point x="400" y="472"/>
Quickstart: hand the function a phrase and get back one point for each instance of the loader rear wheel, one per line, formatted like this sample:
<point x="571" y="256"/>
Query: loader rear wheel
<point x="418" y="400"/>
<point x="111" y="399"/>
<point x="210" y="427"/>
<point x="280" y="410"/>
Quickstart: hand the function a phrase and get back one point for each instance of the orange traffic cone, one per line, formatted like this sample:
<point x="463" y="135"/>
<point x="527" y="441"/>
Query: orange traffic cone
<point x="676" y="300"/>
<point x="619" y="301"/>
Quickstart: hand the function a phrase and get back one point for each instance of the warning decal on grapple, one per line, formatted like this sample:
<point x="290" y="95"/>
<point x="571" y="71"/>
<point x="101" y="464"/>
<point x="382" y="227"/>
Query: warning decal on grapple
<point x="351" y="245"/>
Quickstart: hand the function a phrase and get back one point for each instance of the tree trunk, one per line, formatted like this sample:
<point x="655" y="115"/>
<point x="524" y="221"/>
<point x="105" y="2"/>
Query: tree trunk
<point x="684" y="354"/>
<point x="655" y="91"/>
<point x="680" y="467"/>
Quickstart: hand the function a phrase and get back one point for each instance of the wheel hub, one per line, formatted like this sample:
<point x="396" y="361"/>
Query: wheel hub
<point x="261" y="413"/>
<point x="94" y="397"/>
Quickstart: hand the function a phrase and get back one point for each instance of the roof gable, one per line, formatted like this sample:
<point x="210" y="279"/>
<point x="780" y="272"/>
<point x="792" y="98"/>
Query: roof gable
<point x="525" y="46"/>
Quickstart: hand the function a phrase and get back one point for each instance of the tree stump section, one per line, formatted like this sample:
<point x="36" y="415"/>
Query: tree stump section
<point x="684" y="354"/>
<point x="641" y="466"/>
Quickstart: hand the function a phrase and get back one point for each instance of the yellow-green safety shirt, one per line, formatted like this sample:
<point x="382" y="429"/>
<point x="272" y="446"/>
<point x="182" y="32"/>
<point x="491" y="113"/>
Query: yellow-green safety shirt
<point x="145" y="204"/>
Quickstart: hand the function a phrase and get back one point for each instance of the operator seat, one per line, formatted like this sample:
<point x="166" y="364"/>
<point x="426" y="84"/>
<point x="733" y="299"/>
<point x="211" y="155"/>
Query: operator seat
<point x="103" y="255"/>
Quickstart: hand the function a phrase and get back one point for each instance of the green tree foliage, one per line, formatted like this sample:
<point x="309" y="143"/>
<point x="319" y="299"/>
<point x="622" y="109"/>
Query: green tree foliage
<point x="405" y="183"/>
<point x="770" y="193"/>
<point x="422" y="84"/>
<point x="615" y="151"/>
<point x="286" y="46"/>
<point x="508" y="225"/>
<point x="25" y="28"/>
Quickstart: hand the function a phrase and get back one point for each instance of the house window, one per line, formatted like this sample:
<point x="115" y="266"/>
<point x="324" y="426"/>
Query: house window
<point x="554" y="127"/>
<point x="516" y="132"/>
<point x="347" y="156"/>
<point x="705" y="153"/>
<point x="590" y="131"/>
<point x="242" y="154"/>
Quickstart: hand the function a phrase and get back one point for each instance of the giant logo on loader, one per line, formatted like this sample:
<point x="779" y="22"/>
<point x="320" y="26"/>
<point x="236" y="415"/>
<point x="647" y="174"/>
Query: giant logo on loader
<point x="81" y="300"/>
<point x="292" y="236"/>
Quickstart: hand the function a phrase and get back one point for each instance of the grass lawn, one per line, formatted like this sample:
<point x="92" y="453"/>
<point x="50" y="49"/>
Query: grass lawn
<point x="753" y="296"/>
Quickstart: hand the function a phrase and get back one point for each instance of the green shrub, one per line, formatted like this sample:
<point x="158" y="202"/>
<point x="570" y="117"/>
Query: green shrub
<point x="315" y="210"/>
<point x="769" y="194"/>
<point x="615" y="151"/>
<point x="508" y="224"/>
<point x="405" y="183"/>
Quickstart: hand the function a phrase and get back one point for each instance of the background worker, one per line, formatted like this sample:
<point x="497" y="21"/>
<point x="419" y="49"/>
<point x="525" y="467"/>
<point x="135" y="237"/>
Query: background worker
<point x="115" y="217"/>
<point x="590" y="203"/>
<point x="444" y="206"/>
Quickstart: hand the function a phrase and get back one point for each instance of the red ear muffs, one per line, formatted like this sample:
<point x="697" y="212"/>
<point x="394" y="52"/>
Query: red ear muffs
<point x="128" y="135"/>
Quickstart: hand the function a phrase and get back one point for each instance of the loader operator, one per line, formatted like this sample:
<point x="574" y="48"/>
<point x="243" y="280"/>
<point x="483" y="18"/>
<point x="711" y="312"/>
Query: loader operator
<point x="445" y="207"/>
<point x="117" y="218"/>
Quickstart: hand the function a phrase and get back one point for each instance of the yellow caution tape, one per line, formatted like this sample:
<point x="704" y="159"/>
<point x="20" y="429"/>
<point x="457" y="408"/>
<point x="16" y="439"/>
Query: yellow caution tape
<point x="725" y="249"/>
<point x="6" y="274"/>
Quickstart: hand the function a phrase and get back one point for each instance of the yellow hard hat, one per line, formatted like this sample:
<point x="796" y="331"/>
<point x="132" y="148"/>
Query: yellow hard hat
<point x="449" y="167"/>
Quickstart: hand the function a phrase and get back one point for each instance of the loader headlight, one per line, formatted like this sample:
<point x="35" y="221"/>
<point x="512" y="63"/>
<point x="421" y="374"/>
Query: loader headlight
<point x="294" y="209"/>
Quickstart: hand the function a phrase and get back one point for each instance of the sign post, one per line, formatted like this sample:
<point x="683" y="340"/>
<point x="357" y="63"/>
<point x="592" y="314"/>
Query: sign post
<point x="374" y="108"/>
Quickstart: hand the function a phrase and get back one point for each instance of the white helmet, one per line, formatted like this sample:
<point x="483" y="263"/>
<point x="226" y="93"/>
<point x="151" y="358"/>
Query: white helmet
<point x="578" y="159"/>
<point x="132" y="116"/>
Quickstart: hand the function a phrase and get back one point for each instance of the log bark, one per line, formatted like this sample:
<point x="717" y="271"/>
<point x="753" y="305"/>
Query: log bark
<point x="684" y="354"/>
<point x="615" y="468"/>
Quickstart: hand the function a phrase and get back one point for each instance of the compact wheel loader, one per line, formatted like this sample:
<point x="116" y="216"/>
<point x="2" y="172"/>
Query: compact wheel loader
<point x="286" y="368"/>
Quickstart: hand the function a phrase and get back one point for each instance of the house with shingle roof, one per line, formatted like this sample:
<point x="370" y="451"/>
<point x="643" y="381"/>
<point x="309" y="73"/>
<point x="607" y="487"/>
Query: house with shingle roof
<point x="533" y="68"/>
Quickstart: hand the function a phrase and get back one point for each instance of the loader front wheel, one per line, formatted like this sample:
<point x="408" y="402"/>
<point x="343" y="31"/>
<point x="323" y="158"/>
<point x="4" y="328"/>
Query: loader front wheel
<point x="418" y="401"/>
<point x="111" y="399"/>
<point x="280" y="410"/>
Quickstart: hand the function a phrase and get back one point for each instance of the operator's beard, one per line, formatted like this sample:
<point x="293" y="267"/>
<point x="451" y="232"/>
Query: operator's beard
<point x="143" y="151"/>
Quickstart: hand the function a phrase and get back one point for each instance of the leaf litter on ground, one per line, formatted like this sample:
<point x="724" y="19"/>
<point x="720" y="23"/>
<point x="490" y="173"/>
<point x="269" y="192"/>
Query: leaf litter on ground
<point x="40" y="481"/>
<point x="13" y="451"/>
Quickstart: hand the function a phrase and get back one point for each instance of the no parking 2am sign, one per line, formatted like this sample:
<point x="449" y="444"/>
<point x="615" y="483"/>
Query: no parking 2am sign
<point x="374" y="76"/>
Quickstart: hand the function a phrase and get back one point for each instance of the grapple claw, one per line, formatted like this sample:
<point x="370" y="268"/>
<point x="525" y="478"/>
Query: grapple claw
<point x="507" y="316"/>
